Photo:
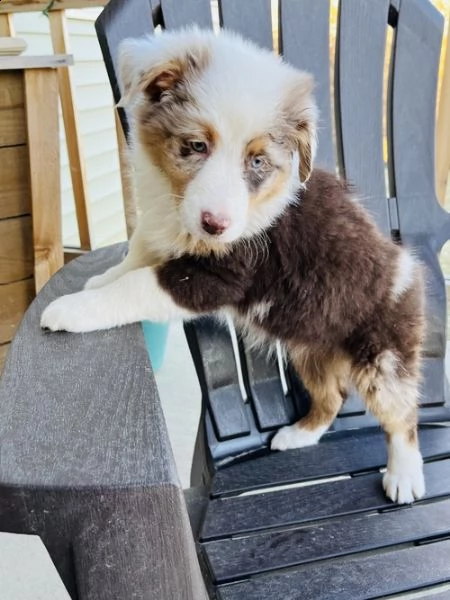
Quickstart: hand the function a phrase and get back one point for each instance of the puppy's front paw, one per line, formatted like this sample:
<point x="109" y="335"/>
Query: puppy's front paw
<point x="68" y="313"/>
<point x="95" y="282"/>
<point x="404" y="482"/>
<point x="294" y="436"/>
<point x="98" y="281"/>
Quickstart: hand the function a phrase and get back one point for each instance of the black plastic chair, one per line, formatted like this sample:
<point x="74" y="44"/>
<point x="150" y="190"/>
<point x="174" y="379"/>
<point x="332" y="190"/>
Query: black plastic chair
<point x="244" y="537"/>
<point x="85" y="457"/>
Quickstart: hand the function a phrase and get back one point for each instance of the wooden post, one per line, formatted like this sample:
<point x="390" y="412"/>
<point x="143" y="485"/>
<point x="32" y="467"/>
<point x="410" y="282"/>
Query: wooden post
<point x="6" y="25"/>
<point x="66" y="89"/>
<point x="13" y="6"/>
<point x="443" y="129"/>
<point x="129" y="203"/>
<point x="43" y="139"/>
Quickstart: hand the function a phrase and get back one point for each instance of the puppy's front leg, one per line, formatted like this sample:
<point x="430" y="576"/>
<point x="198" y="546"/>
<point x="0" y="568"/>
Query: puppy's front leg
<point x="138" y="256"/>
<point x="134" y="297"/>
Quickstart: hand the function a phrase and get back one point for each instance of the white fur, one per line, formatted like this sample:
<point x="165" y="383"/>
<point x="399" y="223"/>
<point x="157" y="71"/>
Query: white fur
<point x="397" y="394"/>
<point x="259" y="311"/>
<point x="240" y="94"/>
<point x="404" y="275"/>
<point x="403" y="481"/>
<point x="256" y="338"/>
<point x="135" y="296"/>
<point x="293" y="436"/>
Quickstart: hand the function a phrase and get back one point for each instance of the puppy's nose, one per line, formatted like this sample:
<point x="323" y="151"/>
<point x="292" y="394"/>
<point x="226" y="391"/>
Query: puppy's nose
<point x="214" y="224"/>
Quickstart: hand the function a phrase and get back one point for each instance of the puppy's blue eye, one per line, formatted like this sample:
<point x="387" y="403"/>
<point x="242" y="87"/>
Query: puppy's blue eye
<point x="257" y="162"/>
<point x="199" y="147"/>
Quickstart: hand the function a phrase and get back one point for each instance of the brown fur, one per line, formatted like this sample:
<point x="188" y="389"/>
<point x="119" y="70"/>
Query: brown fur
<point x="272" y="178"/>
<point x="299" y="127"/>
<point x="327" y="275"/>
<point x="171" y="119"/>
<point x="326" y="376"/>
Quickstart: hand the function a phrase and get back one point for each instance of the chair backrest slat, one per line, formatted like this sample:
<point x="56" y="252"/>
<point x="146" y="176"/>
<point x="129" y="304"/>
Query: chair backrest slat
<point x="251" y="18"/>
<point x="120" y="20"/>
<point x="304" y="42"/>
<point x="423" y="224"/>
<point x="413" y="98"/>
<point x="187" y="12"/>
<point x="272" y="407"/>
<point x="360" y="56"/>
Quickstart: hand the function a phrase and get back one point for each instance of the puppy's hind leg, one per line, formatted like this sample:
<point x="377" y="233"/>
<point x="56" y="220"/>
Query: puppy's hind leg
<point x="326" y="378"/>
<point x="391" y="393"/>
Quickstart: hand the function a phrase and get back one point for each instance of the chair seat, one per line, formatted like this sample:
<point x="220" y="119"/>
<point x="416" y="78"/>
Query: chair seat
<point x="338" y="538"/>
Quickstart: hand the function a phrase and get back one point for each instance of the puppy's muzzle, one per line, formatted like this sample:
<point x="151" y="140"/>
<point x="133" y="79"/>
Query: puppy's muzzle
<point x="214" y="224"/>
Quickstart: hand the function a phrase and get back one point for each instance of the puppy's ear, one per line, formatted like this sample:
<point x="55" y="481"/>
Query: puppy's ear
<point x="301" y="114"/>
<point x="129" y="72"/>
<point x="147" y="66"/>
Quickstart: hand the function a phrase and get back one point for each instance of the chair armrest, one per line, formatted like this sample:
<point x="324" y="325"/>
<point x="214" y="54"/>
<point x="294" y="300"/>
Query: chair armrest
<point x="86" y="460"/>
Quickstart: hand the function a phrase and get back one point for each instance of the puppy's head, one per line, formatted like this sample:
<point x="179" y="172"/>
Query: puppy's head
<point x="229" y="126"/>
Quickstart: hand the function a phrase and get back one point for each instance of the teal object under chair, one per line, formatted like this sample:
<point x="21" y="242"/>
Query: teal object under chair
<point x="155" y="335"/>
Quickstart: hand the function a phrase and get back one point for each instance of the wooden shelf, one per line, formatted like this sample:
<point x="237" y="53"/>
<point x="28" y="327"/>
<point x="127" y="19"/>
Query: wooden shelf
<point x="10" y="63"/>
<point x="13" y="6"/>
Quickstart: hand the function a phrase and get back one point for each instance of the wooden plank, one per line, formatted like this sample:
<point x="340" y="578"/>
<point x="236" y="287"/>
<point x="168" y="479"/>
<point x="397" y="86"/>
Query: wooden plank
<point x="12" y="116"/>
<point x="16" y="249"/>
<point x="238" y="515"/>
<point x="361" y="42"/>
<point x="14" y="188"/>
<point x="178" y="14"/>
<point x="359" y="577"/>
<point x="252" y="19"/>
<point x="14" y="6"/>
<point x="337" y="454"/>
<point x="443" y="127"/>
<point x="11" y="91"/>
<point x="43" y="141"/>
<point x="6" y="25"/>
<point x="233" y="559"/>
<point x="15" y="298"/>
<point x="307" y="47"/>
<point x="12" y="126"/>
<point x="72" y="253"/>
<point x="35" y="62"/>
<point x="60" y="43"/>
<point x="4" y="349"/>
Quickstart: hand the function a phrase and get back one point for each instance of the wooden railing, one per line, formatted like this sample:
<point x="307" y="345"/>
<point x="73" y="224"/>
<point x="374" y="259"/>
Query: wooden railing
<point x="60" y="41"/>
<point x="13" y="6"/>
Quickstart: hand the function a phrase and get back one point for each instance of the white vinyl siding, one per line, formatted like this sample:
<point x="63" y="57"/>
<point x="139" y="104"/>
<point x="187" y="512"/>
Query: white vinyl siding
<point x="93" y="100"/>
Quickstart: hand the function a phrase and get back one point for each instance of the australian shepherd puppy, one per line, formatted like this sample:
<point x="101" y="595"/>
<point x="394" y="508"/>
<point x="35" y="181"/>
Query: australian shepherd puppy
<point x="234" y="219"/>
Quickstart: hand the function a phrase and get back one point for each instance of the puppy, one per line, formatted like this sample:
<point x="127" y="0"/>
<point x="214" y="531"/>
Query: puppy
<point x="234" y="219"/>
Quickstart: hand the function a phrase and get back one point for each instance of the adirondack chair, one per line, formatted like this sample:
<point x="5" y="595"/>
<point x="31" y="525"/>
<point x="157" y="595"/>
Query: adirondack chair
<point x="85" y="457"/>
